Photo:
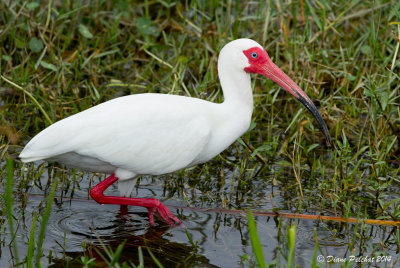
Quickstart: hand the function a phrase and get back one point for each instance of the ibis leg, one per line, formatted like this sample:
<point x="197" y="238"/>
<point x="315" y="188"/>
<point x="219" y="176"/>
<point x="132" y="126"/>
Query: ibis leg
<point x="153" y="205"/>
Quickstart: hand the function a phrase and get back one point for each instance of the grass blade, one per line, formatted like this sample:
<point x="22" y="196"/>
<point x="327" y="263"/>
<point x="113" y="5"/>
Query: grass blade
<point x="9" y="204"/>
<point x="314" y="259"/>
<point x="292" y="244"/>
<point x="141" y="260"/>
<point x="31" y="247"/>
<point x="155" y="259"/>
<point x="45" y="218"/>
<point x="31" y="97"/>
<point x="117" y="254"/>
<point x="255" y="241"/>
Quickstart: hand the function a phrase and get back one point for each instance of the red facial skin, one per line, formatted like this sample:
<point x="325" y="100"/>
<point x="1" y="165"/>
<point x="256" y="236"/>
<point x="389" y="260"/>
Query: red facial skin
<point x="262" y="64"/>
<point x="256" y="64"/>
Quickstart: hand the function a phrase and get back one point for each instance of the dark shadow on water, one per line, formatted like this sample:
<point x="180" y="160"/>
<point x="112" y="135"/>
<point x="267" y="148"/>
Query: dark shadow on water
<point x="170" y="254"/>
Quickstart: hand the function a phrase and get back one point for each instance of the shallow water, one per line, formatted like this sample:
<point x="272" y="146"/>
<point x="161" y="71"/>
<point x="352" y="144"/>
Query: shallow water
<point x="78" y="226"/>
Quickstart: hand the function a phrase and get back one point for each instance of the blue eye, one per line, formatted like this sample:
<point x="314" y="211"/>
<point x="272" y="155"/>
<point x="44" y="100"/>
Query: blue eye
<point x="254" y="55"/>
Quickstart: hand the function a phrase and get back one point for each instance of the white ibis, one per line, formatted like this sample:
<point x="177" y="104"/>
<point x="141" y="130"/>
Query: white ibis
<point x="154" y="134"/>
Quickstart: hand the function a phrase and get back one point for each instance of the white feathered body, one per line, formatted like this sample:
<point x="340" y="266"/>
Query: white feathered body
<point x="140" y="134"/>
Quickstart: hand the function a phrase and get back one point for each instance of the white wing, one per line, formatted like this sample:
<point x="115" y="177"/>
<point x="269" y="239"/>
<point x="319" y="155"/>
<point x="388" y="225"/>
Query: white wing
<point x="142" y="134"/>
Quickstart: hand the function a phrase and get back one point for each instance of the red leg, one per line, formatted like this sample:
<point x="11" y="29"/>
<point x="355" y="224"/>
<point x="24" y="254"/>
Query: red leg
<point x="153" y="205"/>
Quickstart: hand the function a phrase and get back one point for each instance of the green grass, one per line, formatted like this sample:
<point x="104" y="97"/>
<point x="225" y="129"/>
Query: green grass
<point x="255" y="241"/>
<point x="60" y="57"/>
<point x="9" y="206"/>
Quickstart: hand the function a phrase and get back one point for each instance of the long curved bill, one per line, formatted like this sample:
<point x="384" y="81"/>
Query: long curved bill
<point x="273" y="72"/>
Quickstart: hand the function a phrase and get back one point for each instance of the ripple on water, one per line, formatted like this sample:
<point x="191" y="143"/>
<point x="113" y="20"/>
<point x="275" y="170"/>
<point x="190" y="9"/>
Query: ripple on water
<point x="102" y="224"/>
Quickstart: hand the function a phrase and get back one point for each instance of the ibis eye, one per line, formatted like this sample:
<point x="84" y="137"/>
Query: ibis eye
<point x="254" y="55"/>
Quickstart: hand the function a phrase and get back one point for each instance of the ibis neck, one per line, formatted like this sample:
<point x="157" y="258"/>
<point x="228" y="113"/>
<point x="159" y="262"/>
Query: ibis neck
<point x="237" y="89"/>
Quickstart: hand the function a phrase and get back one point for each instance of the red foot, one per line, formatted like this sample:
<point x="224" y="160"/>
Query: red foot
<point x="153" y="205"/>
